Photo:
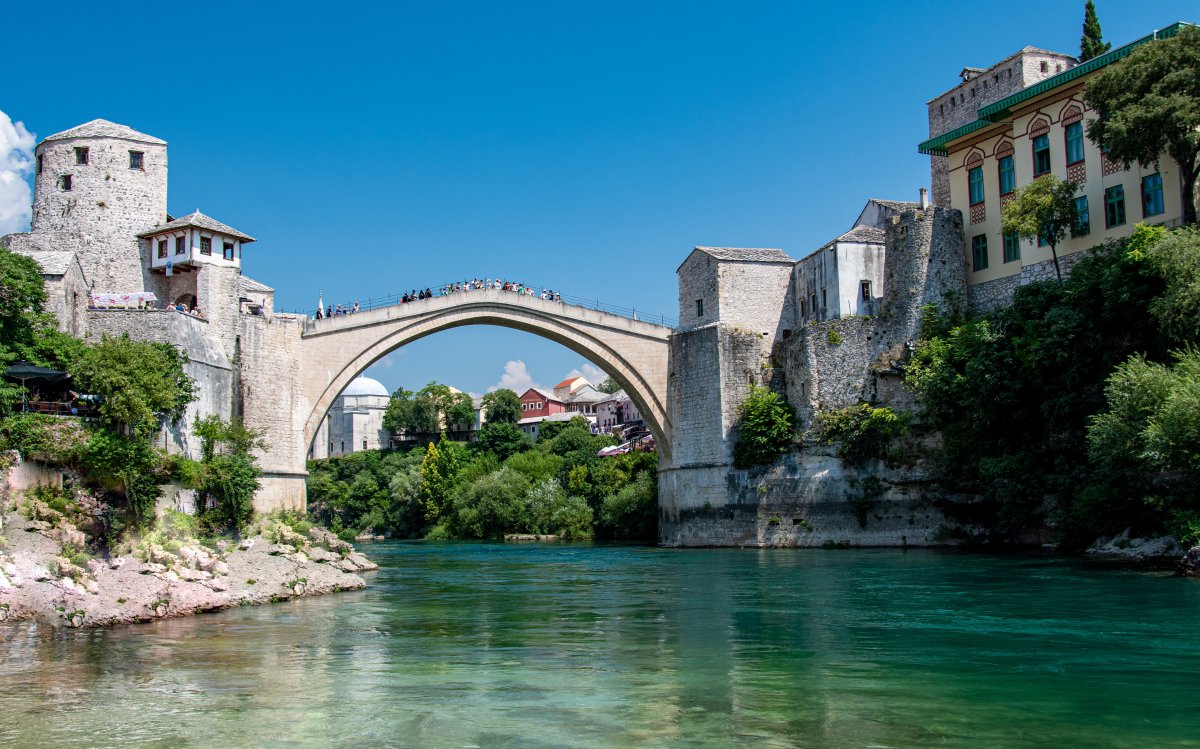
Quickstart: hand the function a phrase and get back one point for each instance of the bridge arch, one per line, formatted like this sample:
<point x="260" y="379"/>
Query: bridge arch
<point x="634" y="353"/>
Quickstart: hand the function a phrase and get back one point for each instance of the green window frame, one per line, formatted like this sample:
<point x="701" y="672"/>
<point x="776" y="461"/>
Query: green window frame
<point x="979" y="255"/>
<point x="975" y="185"/>
<point x="1041" y="155"/>
<point x="1008" y="176"/>
<point x="1012" y="247"/>
<point x="1152" y="195"/>
<point x="1083" y="219"/>
<point x="1114" y="206"/>
<point x="1074" y="136"/>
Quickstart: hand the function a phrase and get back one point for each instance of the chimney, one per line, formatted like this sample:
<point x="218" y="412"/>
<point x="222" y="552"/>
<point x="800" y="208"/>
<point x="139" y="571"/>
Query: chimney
<point x="924" y="198"/>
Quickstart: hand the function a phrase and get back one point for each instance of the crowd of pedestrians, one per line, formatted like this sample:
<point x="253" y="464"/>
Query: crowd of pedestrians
<point x="457" y="287"/>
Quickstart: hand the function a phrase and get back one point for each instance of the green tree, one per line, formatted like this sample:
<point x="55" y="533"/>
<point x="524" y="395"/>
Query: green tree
<point x="766" y="426"/>
<point x="548" y="430"/>
<point x="1042" y="210"/>
<point x="138" y="382"/>
<point x="228" y="471"/>
<point x="1149" y="104"/>
<point x="609" y="385"/>
<point x="491" y="506"/>
<point x="862" y="432"/>
<point x="1092" y="43"/>
<point x="503" y="439"/>
<point x="502" y="407"/>
<point x="439" y="470"/>
<point x="1148" y="441"/>
<point x="1176" y="257"/>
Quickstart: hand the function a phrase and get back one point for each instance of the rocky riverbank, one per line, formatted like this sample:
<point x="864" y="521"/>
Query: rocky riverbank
<point x="46" y="574"/>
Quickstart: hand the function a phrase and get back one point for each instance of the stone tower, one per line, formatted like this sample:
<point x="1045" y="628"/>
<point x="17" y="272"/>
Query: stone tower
<point x="98" y="186"/>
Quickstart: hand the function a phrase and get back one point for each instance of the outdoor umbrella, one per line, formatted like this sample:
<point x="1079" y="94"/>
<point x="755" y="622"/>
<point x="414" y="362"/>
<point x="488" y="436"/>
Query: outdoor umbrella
<point x="23" y="372"/>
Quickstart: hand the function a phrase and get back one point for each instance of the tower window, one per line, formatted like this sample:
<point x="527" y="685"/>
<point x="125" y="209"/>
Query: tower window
<point x="81" y="156"/>
<point x="699" y="308"/>
<point x="65" y="183"/>
<point x="162" y="248"/>
<point x="136" y="159"/>
<point x="865" y="289"/>
<point x="180" y="245"/>
<point x="205" y="245"/>
<point x="1044" y="66"/>
<point x="41" y="163"/>
<point x="227" y="251"/>
<point x="364" y="444"/>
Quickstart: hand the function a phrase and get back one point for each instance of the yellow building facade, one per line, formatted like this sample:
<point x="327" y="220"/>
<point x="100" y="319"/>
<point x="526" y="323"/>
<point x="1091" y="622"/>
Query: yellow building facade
<point x="1040" y="130"/>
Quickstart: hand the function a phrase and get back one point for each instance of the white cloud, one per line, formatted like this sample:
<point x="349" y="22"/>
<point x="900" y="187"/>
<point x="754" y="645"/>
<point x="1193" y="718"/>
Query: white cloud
<point x="16" y="162"/>
<point x="516" y="377"/>
<point x="588" y="371"/>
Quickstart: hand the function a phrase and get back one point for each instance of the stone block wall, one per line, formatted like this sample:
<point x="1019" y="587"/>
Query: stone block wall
<point x="991" y="295"/>
<point x="808" y="499"/>
<point x="208" y="366"/>
<point x="108" y="204"/>
<point x="268" y="363"/>
<point x="756" y="297"/>
<point x="698" y="281"/>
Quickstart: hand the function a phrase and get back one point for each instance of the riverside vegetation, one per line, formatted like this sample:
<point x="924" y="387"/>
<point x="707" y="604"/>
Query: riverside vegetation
<point x="64" y="549"/>
<point x="499" y="485"/>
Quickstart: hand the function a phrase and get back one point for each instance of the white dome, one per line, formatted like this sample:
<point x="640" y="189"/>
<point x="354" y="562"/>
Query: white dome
<point x="366" y="386"/>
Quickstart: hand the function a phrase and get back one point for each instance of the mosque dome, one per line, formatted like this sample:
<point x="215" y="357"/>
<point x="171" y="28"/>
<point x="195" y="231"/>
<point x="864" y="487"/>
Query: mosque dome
<point x="366" y="386"/>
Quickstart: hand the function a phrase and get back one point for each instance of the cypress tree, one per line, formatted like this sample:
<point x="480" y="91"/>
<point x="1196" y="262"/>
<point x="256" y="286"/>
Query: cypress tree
<point x="1092" y="43"/>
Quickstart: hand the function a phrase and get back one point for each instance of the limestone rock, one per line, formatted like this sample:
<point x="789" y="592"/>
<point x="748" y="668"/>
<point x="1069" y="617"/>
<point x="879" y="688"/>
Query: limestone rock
<point x="328" y="540"/>
<point x="361" y="562"/>
<point x="280" y="550"/>
<point x="1123" y="548"/>
<point x="317" y="554"/>
<point x="345" y="565"/>
<point x="152" y="568"/>
<point x="1189" y="564"/>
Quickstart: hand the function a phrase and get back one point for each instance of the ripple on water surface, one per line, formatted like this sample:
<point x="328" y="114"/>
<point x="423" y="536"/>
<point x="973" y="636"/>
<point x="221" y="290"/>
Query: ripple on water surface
<point x="485" y="645"/>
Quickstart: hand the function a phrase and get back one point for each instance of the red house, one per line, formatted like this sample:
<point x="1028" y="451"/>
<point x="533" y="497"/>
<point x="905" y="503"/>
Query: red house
<point x="539" y="403"/>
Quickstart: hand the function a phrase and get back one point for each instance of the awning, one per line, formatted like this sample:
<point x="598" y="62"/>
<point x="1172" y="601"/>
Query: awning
<point x="132" y="299"/>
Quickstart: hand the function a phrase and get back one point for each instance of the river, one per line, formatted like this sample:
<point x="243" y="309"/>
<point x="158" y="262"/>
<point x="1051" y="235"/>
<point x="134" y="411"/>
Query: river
<point x="486" y="645"/>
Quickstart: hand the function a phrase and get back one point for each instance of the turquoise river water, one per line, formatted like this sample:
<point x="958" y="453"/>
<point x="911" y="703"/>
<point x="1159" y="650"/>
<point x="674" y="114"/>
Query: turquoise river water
<point x="484" y="645"/>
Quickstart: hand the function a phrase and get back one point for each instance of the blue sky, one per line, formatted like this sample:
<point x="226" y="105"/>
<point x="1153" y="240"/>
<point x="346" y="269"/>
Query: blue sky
<point x="584" y="147"/>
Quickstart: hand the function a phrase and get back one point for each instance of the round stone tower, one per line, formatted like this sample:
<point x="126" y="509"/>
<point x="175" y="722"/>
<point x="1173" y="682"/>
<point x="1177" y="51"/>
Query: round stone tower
<point x="98" y="186"/>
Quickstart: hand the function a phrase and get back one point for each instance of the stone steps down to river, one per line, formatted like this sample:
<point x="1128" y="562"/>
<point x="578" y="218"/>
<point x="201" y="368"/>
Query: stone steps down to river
<point x="36" y="582"/>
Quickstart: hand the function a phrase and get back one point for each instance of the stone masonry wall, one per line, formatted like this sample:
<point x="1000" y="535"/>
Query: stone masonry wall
<point x="756" y="297"/>
<point x="697" y="281"/>
<point x="808" y="497"/>
<point x="107" y="206"/>
<point x="991" y="295"/>
<point x="268" y="362"/>
<point x="207" y="365"/>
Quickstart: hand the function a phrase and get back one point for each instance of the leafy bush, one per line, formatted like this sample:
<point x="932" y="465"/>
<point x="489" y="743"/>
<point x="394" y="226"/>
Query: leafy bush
<point x="862" y="432"/>
<point x="766" y="427"/>
<point x="632" y="512"/>
<point x="491" y="506"/>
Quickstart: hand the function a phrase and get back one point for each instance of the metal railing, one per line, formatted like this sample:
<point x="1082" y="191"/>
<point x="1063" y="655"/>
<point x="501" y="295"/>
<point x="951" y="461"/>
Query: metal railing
<point x="575" y="301"/>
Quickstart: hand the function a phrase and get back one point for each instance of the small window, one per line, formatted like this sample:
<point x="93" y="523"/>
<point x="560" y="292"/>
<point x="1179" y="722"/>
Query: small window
<point x="1083" y="221"/>
<point x="1012" y="247"/>
<point x="1041" y="155"/>
<point x="136" y="159"/>
<point x="1058" y="67"/>
<point x="65" y="183"/>
<point x="162" y="248"/>
<point x="979" y="258"/>
<point x="539" y="406"/>
<point x="180" y="245"/>
<point x="205" y="245"/>
<point x="699" y="308"/>
<point x="1152" y="195"/>
<point x="824" y="300"/>
<point x="1008" y="176"/>
<point x="1114" y="206"/>
<point x="975" y="185"/>
<point x="41" y="163"/>
<point x="227" y="250"/>
<point x="364" y="444"/>
<point x="81" y="156"/>
<point x="343" y="446"/>
<point x="941" y="109"/>
<point x="864" y="288"/>
<point x="1074" y="135"/>
<point x="803" y="309"/>
<point x="1045" y="67"/>
<point x="953" y="102"/>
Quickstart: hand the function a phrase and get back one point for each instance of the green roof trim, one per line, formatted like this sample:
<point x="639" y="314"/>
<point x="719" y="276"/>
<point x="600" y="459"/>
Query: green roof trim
<point x="1002" y="108"/>
<point x="937" y="146"/>
<point x="992" y="113"/>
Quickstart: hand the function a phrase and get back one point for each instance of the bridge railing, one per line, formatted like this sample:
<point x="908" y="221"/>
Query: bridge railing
<point x="371" y="303"/>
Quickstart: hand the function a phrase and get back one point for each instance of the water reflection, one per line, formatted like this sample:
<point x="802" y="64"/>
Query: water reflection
<point x="458" y="645"/>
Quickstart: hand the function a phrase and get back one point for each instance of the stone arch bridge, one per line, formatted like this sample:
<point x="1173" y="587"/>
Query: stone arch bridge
<point x="634" y="353"/>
